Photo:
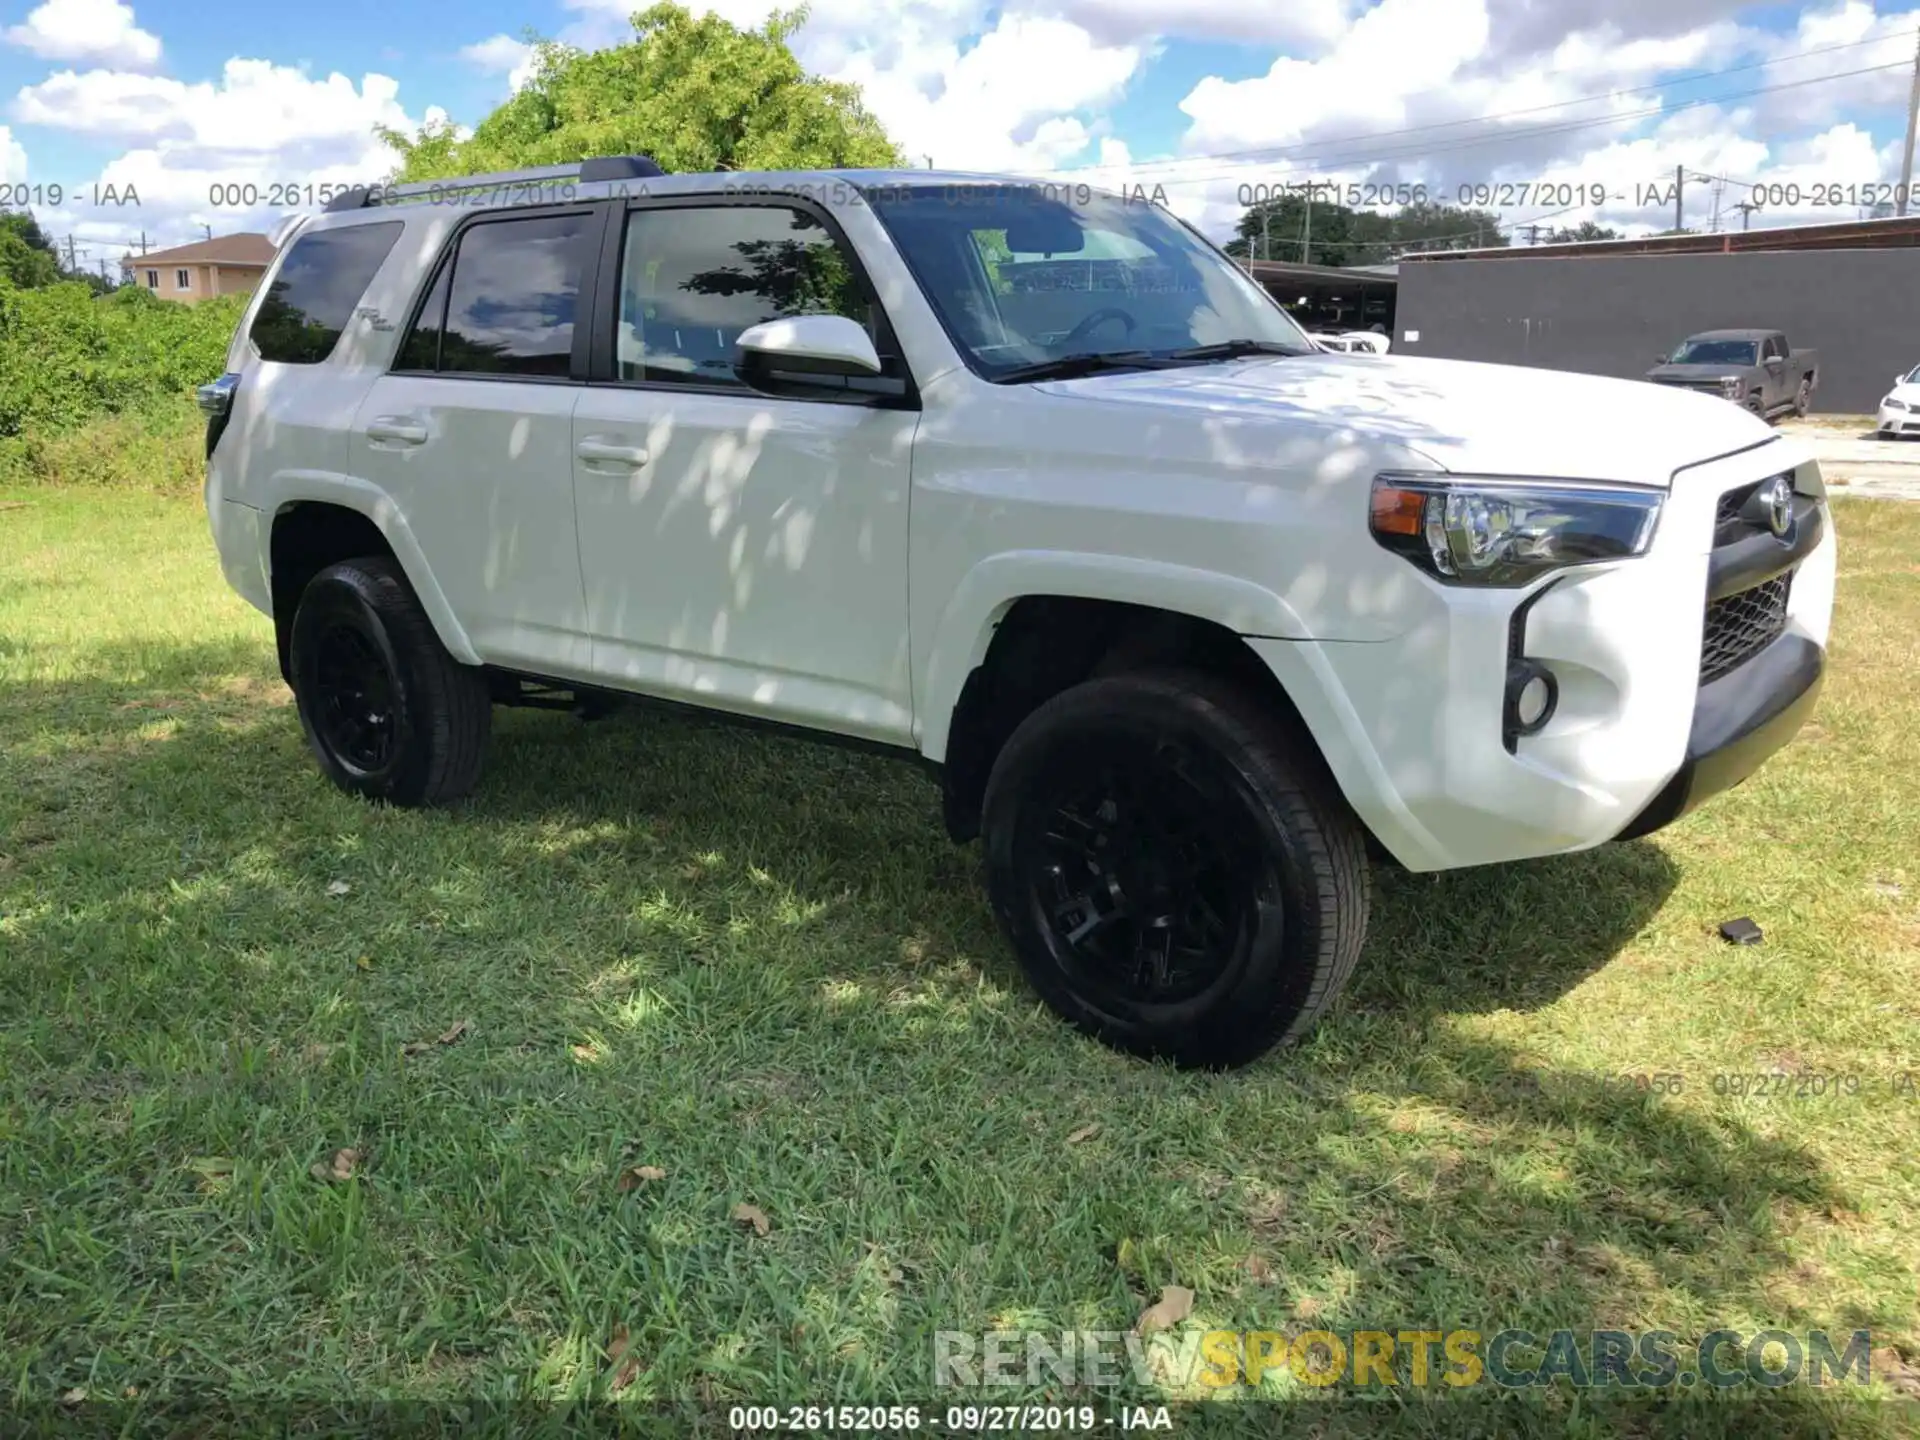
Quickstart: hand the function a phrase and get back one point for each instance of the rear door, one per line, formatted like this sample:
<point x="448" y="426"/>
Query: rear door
<point x="471" y="433"/>
<point x="740" y="549"/>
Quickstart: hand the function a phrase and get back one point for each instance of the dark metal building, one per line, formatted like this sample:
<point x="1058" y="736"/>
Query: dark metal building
<point x="1330" y="297"/>
<point x="1850" y="291"/>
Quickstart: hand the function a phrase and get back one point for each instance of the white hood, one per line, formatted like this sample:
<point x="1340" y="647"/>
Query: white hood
<point x="1908" y="393"/>
<point x="1464" y="417"/>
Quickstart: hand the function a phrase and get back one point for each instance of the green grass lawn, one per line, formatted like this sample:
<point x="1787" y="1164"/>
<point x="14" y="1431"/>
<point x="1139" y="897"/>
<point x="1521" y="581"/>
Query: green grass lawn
<point x="759" y="966"/>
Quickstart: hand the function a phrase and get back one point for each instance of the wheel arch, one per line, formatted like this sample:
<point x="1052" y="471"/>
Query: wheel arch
<point x="1030" y="646"/>
<point x="340" y="522"/>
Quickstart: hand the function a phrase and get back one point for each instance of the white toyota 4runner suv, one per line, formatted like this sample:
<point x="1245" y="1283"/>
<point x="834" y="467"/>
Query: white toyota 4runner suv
<point x="1032" y="483"/>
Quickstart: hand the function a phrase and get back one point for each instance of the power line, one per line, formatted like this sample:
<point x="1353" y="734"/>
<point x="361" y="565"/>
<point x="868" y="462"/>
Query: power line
<point x="1531" y="133"/>
<point x="1293" y="151"/>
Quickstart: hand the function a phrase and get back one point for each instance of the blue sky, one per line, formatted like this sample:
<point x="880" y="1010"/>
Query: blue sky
<point x="1201" y="97"/>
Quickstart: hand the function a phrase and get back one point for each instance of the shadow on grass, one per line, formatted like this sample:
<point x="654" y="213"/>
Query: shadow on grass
<point x="761" y="957"/>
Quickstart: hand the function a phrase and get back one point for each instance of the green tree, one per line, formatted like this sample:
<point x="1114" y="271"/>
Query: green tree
<point x="695" y="94"/>
<point x="1585" y="230"/>
<point x="27" y="257"/>
<point x="1287" y="228"/>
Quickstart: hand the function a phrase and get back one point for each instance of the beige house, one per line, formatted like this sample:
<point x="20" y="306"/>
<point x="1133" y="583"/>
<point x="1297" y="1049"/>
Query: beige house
<point x="225" y="265"/>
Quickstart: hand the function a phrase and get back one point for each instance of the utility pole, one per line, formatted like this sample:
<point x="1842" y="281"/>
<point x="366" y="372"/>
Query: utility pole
<point x="1679" y="191"/>
<point x="1901" y="197"/>
<point x="70" y="265"/>
<point x="208" y="228"/>
<point x="1306" y="238"/>
<point x="1746" y="209"/>
<point x="1266" y="231"/>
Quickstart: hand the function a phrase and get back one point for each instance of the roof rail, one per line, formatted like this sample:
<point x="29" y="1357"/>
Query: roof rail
<point x="584" y="172"/>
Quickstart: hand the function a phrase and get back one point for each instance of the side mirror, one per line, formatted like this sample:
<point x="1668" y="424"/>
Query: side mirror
<point x="1776" y="362"/>
<point x="826" y="347"/>
<point x="1659" y="359"/>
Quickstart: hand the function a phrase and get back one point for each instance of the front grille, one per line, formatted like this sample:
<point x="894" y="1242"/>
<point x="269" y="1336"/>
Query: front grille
<point x="1734" y="501"/>
<point x="1740" y="626"/>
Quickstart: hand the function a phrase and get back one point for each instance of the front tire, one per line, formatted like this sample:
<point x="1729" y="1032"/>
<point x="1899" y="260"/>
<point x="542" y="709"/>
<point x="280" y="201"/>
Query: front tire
<point x="389" y="714"/>
<point x="1176" y="879"/>
<point x="1803" y="398"/>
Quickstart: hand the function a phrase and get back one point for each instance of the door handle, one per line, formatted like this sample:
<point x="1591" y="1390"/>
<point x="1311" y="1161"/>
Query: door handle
<point x="599" y="452"/>
<point x="396" y="430"/>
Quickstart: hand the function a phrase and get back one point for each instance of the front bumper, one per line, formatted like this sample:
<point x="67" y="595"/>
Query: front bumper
<point x="1899" y="422"/>
<point x="1645" y="728"/>
<point x="1739" y="721"/>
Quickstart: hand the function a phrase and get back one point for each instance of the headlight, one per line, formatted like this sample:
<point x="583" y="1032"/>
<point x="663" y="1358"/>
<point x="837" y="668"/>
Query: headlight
<point x="1466" y="531"/>
<point x="1893" y="404"/>
<point x="1732" y="384"/>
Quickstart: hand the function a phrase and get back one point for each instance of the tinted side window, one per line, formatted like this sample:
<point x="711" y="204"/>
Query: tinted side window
<point x="692" y="279"/>
<point x="515" y="286"/>
<point x="421" y="349"/>
<point x="313" y="295"/>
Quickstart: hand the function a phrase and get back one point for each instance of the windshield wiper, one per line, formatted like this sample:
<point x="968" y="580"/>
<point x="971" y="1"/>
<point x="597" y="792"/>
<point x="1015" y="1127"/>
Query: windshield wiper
<point x="1233" y="350"/>
<point x="1071" y="367"/>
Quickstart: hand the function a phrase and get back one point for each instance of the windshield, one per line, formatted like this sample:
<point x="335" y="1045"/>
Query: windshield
<point x="1914" y="378"/>
<point x="1020" y="277"/>
<point x="1717" y="352"/>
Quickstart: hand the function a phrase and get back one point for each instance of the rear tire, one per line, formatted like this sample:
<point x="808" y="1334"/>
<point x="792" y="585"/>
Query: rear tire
<point x="1175" y="878"/>
<point x="389" y="714"/>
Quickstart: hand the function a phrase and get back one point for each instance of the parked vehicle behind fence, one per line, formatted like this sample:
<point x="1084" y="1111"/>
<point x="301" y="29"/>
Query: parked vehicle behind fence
<point x="1757" y="369"/>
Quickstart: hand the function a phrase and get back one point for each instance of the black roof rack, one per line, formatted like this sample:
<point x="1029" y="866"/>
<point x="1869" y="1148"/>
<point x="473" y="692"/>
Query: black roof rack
<point x="585" y="172"/>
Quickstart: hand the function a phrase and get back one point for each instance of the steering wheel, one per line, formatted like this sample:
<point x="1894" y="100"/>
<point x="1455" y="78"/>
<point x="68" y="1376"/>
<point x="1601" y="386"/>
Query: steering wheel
<point x="1110" y="312"/>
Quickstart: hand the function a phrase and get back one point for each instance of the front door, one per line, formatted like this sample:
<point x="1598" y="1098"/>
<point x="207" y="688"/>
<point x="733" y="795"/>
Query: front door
<point x="740" y="550"/>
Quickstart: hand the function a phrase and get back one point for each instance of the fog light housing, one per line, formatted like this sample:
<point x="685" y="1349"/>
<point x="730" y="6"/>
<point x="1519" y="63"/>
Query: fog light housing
<point x="1532" y="697"/>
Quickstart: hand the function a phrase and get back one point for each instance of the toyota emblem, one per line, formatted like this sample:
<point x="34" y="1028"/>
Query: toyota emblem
<point x="1778" y="498"/>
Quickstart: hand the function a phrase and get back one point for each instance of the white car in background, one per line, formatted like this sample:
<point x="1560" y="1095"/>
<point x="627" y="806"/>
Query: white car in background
<point x="1900" y="411"/>
<point x="1354" y="342"/>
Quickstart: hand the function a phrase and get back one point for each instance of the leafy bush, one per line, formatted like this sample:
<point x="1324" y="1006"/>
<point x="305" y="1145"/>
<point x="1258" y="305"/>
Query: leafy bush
<point x="160" y="448"/>
<point x="68" y="356"/>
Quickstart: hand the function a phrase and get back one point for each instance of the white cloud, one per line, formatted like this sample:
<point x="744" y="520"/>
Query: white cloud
<point x="1293" y="24"/>
<point x="502" y="55"/>
<point x="13" y="157"/>
<point x="99" y="32"/>
<point x="1404" y="96"/>
<point x="259" y="127"/>
<point x="1008" y="102"/>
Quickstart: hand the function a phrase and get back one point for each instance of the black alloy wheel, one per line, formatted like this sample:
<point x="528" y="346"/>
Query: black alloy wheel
<point x="1177" y="878"/>
<point x="1139" y="870"/>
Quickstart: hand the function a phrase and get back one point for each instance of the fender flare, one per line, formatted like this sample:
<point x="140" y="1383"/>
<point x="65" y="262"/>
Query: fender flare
<point x="992" y="587"/>
<point x="350" y="493"/>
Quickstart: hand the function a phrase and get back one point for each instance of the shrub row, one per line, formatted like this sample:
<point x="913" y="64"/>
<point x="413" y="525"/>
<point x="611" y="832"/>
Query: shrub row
<point x="68" y="357"/>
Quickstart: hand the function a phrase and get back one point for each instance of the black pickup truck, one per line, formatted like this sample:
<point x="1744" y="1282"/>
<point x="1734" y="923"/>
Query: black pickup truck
<point x="1754" y="368"/>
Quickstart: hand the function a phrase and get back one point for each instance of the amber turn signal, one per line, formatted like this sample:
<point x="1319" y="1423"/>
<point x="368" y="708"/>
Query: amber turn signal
<point x="1398" y="512"/>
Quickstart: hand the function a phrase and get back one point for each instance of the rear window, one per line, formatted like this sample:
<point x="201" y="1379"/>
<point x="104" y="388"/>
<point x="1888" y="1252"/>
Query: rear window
<point x="505" y="305"/>
<point x="314" y="294"/>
